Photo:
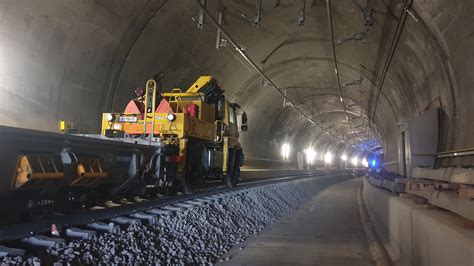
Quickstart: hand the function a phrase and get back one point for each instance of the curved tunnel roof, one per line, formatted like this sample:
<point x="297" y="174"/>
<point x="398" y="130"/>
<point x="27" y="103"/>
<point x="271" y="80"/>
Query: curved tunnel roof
<point x="63" y="61"/>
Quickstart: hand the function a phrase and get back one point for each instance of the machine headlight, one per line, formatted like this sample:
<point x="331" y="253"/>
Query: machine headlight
<point x="110" y="117"/>
<point x="171" y="117"/>
<point x="117" y="126"/>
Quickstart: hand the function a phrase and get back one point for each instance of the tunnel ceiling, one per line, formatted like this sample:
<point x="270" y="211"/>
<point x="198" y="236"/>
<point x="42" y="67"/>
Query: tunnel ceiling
<point x="76" y="61"/>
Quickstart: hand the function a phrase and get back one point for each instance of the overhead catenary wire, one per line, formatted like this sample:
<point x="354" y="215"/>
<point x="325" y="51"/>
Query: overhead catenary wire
<point x="393" y="46"/>
<point x="336" y="68"/>
<point x="260" y="71"/>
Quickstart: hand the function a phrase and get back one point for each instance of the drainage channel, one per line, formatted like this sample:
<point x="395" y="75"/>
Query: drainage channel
<point x="52" y="237"/>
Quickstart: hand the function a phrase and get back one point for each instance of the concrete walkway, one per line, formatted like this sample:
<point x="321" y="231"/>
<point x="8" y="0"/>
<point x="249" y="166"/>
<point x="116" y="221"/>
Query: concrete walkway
<point x="325" y="231"/>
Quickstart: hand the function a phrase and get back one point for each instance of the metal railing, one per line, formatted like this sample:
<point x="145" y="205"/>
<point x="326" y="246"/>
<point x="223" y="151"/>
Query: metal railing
<point x="451" y="153"/>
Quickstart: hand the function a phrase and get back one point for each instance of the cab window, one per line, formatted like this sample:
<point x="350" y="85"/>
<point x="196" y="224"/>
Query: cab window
<point x="232" y="116"/>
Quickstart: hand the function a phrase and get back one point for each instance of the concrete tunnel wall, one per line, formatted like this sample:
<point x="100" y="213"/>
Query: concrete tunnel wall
<point x="73" y="60"/>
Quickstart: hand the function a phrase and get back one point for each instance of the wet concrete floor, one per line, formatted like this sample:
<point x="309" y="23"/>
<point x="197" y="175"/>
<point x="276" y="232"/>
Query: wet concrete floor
<point x="325" y="231"/>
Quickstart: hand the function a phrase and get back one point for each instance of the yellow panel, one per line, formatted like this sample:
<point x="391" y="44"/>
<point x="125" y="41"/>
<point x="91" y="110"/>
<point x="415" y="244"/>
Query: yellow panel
<point x="182" y="153"/>
<point x="65" y="125"/>
<point x="226" y="155"/>
<point x="89" y="172"/>
<point x="207" y="112"/>
<point x="202" y="80"/>
<point x="62" y="125"/>
<point x="44" y="170"/>
<point x="200" y="129"/>
<point x="106" y="124"/>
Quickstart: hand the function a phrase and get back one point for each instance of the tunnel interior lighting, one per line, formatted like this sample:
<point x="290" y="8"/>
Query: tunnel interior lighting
<point x="110" y="117"/>
<point x="355" y="161"/>
<point x="310" y="155"/>
<point x="374" y="163"/>
<point x="171" y="117"/>
<point x="365" y="163"/>
<point x="285" y="151"/>
<point x="344" y="157"/>
<point x="328" y="157"/>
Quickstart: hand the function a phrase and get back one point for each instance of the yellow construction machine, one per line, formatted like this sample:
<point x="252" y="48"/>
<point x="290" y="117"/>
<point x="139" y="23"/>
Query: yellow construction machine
<point x="197" y="131"/>
<point x="162" y="142"/>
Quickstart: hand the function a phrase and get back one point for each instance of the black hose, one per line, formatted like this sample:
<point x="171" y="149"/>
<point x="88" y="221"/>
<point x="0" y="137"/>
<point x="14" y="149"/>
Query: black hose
<point x="336" y="68"/>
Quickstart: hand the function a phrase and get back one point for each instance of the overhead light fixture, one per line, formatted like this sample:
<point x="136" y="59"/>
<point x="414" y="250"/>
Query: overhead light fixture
<point x="110" y="117"/>
<point x="365" y="163"/>
<point x="328" y="157"/>
<point x="355" y="161"/>
<point x="285" y="151"/>
<point x="310" y="155"/>
<point x="344" y="157"/>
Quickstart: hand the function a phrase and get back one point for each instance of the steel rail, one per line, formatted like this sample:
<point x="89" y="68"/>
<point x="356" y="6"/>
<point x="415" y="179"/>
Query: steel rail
<point x="451" y="153"/>
<point x="19" y="231"/>
<point x="260" y="71"/>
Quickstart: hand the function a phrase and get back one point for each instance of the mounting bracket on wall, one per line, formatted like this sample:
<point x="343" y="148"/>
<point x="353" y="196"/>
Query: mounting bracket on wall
<point x="258" y="70"/>
<point x="356" y="82"/>
<point x="258" y="13"/>
<point x="202" y="16"/>
<point x="285" y="103"/>
<point x="360" y="36"/>
<point x="368" y="17"/>
<point x="220" y="42"/>
<point x="301" y="17"/>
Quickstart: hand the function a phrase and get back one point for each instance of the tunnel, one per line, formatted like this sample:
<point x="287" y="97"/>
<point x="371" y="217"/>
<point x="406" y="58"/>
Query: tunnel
<point x="351" y="80"/>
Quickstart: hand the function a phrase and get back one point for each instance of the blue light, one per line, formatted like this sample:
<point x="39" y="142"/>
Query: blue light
<point x="374" y="163"/>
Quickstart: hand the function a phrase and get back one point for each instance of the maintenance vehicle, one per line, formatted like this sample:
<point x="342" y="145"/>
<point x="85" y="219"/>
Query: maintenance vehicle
<point x="197" y="131"/>
<point x="163" y="142"/>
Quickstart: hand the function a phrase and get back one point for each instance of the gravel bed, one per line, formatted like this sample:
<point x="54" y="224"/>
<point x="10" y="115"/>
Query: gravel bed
<point x="198" y="235"/>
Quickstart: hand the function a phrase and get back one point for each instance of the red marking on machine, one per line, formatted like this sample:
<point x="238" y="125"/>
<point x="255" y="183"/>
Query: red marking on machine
<point x="174" y="159"/>
<point x="54" y="230"/>
<point x="192" y="109"/>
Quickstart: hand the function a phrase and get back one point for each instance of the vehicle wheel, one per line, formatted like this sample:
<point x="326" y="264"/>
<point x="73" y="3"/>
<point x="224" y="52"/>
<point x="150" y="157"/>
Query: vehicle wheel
<point x="34" y="214"/>
<point x="190" y="182"/>
<point x="233" y="174"/>
<point x="171" y="189"/>
<point x="192" y="179"/>
<point x="231" y="179"/>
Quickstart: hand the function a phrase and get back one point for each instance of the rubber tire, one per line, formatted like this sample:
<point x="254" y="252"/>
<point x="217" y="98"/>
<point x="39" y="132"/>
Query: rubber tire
<point x="192" y="178"/>
<point x="232" y="177"/>
<point x="189" y="182"/>
<point x="34" y="215"/>
<point x="172" y="189"/>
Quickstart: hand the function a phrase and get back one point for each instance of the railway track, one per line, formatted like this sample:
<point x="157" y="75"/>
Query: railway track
<point x="19" y="239"/>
